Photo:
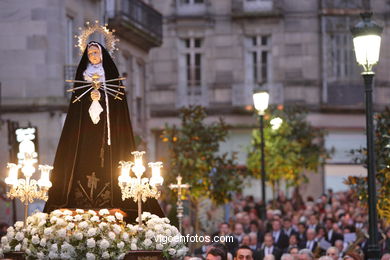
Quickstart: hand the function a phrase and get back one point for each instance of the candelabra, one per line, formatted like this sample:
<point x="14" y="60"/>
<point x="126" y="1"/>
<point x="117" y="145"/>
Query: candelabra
<point x="180" y="209"/>
<point x="27" y="189"/>
<point x="138" y="188"/>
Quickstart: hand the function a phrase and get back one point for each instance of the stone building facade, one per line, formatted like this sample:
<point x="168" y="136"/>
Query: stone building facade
<point x="37" y="54"/>
<point x="216" y="53"/>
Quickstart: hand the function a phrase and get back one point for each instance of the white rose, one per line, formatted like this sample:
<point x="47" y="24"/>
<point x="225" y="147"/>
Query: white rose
<point x="91" y="243"/>
<point x="91" y="232"/>
<point x="95" y="219"/>
<point x="79" y="211"/>
<point x="10" y="229"/>
<point x="133" y="246"/>
<point x="61" y="233"/>
<point x="53" y="219"/>
<point x="104" y="244"/>
<point x="103" y="212"/>
<point x="35" y="240"/>
<point x="40" y="255"/>
<point x="105" y="255"/>
<point x="56" y="213"/>
<point x="19" y="236"/>
<point x="119" y="216"/>
<point x="111" y="235"/>
<point x="61" y="222"/>
<point x="17" y="247"/>
<point x="172" y="251"/>
<point x="125" y="236"/>
<point x="168" y="232"/>
<point x="67" y="212"/>
<point x="159" y="246"/>
<point x="19" y="225"/>
<point x="10" y="235"/>
<point x="149" y="234"/>
<point x="120" y="245"/>
<point x="4" y="240"/>
<point x="43" y="242"/>
<point x="42" y="223"/>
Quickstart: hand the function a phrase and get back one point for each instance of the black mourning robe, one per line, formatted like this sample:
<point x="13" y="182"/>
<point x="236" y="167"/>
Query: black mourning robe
<point x="85" y="173"/>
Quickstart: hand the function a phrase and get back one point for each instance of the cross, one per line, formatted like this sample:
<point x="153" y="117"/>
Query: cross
<point x="92" y="183"/>
<point x="179" y="186"/>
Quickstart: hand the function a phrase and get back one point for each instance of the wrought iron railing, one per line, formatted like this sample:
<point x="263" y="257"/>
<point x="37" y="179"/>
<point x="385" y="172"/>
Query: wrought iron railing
<point x="142" y="15"/>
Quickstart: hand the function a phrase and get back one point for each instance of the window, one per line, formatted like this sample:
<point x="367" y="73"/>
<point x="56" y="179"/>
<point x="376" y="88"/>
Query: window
<point x="259" y="64"/>
<point x="193" y="65"/>
<point x="69" y="40"/>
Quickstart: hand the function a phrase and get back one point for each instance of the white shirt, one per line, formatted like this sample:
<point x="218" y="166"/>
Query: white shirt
<point x="268" y="250"/>
<point x="276" y="235"/>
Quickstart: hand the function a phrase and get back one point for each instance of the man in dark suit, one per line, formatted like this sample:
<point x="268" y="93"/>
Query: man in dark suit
<point x="310" y="242"/>
<point x="268" y="249"/>
<point x="280" y="239"/>
<point x="224" y="231"/>
<point x="331" y="236"/>
<point x="287" y="227"/>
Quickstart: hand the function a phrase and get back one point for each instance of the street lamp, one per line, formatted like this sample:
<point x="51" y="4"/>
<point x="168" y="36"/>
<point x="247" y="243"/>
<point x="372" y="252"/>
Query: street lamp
<point x="260" y="100"/>
<point x="367" y="40"/>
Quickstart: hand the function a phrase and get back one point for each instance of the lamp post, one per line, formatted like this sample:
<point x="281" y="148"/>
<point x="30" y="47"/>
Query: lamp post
<point x="260" y="100"/>
<point x="367" y="39"/>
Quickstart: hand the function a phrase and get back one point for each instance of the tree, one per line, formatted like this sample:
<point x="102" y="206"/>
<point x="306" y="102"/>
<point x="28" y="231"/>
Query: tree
<point x="194" y="154"/>
<point x="291" y="149"/>
<point x="382" y="153"/>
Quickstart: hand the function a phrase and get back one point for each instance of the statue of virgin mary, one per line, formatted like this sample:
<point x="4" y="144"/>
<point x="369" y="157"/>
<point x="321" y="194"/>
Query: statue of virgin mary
<point x="96" y="136"/>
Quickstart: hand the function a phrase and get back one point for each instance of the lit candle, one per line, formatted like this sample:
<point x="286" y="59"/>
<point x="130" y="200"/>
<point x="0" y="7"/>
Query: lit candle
<point x="44" y="181"/>
<point x="125" y="172"/>
<point x="156" y="178"/>
<point x="12" y="178"/>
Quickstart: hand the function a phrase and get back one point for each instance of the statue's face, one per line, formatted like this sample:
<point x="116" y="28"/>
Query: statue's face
<point x="94" y="55"/>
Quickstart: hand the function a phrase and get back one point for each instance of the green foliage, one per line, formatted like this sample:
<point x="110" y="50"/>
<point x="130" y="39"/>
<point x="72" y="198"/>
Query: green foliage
<point x="290" y="150"/>
<point x="194" y="155"/>
<point x="382" y="153"/>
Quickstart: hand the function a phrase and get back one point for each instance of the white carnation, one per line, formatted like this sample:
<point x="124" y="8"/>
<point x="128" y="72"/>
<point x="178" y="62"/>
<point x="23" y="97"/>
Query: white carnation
<point x="47" y="231"/>
<point x="168" y="232"/>
<point x="181" y="252"/>
<point x="104" y="244"/>
<point x="119" y="216"/>
<point x="53" y="219"/>
<point x="95" y="219"/>
<point x="40" y="255"/>
<point x="56" y="213"/>
<point x="121" y="256"/>
<point x="103" y="212"/>
<point x="10" y="235"/>
<point x="65" y="255"/>
<point x="61" y="233"/>
<point x="91" y="243"/>
<point x="117" y="229"/>
<point x="102" y="225"/>
<point x="70" y="226"/>
<point x="10" y="229"/>
<point x="6" y="248"/>
<point x="125" y="236"/>
<point x="110" y="218"/>
<point x="54" y="248"/>
<point x="172" y="251"/>
<point x="83" y="225"/>
<point x="43" y="242"/>
<point x="111" y="235"/>
<point x="105" y="255"/>
<point x="133" y="246"/>
<point x="53" y="255"/>
<point x="78" y="218"/>
<point x="67" y="212"/>
<point x="120" y="245"/>
<point x="68" y="218"/>
<point x="79" y="211"/>
<point x="92" y="212"/>
<point x="149" y="234"/>
<point x="4" y="240"/>
<point x="159" y="246"/>
<point x="147" y="242"/>
<point x="78" y="235"/>
<point x="91" y="232"/>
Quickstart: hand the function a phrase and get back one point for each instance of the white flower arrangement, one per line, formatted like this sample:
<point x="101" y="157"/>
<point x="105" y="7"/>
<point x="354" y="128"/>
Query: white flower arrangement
<point x="89" y="235"/>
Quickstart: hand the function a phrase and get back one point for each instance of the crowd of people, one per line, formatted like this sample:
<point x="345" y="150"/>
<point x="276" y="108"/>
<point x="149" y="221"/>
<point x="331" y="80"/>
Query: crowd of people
<point x="333" y="226"/>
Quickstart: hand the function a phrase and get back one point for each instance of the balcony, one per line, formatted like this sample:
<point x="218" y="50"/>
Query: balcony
<point x="136" y="22"/>
<point x="256" y="8"/>
<point x="190" y="8"/>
